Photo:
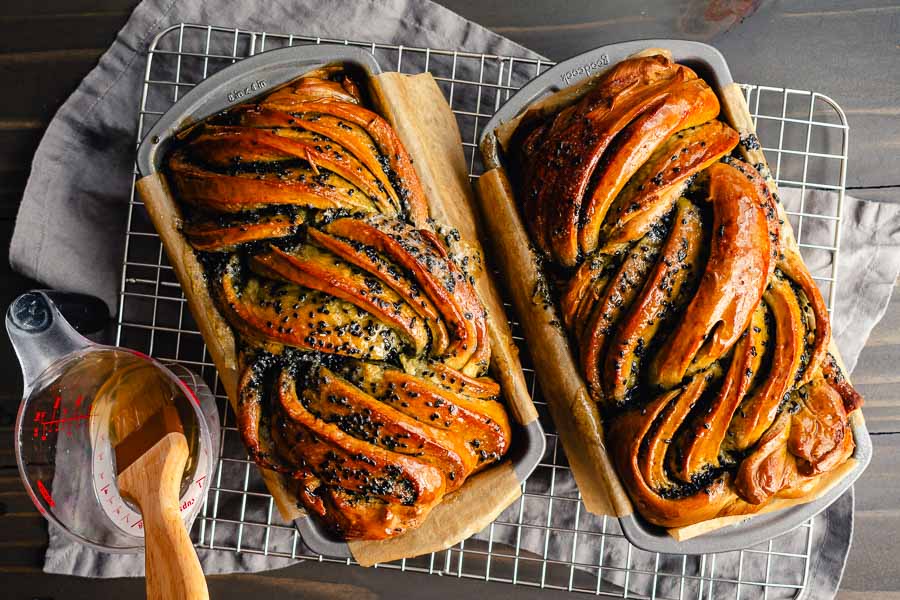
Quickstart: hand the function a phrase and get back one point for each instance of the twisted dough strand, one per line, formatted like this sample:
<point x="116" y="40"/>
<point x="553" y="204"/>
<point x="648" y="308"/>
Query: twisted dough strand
<point x="700" y="334"/>
<point x="363" y="341"/>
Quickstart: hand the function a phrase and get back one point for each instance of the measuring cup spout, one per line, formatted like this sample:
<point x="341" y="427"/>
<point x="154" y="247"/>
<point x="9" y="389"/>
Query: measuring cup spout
<point x="40" y="334"/>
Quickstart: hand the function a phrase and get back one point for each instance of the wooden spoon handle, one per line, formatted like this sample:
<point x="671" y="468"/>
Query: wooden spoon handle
<point x="173" y="570"/>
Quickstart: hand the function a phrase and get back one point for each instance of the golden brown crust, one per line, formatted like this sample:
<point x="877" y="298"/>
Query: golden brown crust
<point x="626" y="435"/>
<point x="247" y="190"/>
<point x="820" y="435"/>
<point x="362" y="340"/>
<point x="653" y="189"/>
<point x="675" y="267"/>
<point x="354" y="474"/>
<point x="560" y="170"/>
<point x="212" y="236"/>
<point x="375" y="451"/>
<point x="619" y="293"/>
<point x="759" y="410"/>
<point x="700" y="444"/>
<point x="439" y="279"/>
<point x="732" y="284"/>
<point x="687" y="104"/>
<point x="699" y="331"/>
<point x="312" y="268"/>
<point x="384" y="137"/>
<point x="270" y="314"/>
<point x="762" y="473"/>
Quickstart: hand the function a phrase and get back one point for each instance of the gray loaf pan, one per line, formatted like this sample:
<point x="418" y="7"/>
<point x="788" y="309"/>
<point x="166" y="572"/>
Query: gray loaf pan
<point x="711" y="66"/>
<point x="256" y="76"/>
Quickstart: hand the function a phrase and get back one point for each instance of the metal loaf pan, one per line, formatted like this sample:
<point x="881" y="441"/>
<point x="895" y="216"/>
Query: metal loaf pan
<point x="256" y="76"/>
<point x="711" y="66"/>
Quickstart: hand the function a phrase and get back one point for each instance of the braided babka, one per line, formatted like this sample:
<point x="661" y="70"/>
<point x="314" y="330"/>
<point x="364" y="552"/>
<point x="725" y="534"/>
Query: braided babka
<point x="698" y="330"/>
<point x="361" y="337"/>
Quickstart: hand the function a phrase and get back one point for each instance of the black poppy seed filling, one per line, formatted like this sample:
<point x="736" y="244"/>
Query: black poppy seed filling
<point x="809" y="323"/>
<point x="304" y="366"/>
<point x="750" y="141"/>
<point x="304" y="369"/>
<point x="786" y="402"/>
<point x="290" y="212"/>
<point x="638" y="397"/>
<point x="283" y="169"/>
<point x="680" y="489"/>
<point x="642" y="393"/>
<point x="215" y="263"/>
<point x="700" y="411"/>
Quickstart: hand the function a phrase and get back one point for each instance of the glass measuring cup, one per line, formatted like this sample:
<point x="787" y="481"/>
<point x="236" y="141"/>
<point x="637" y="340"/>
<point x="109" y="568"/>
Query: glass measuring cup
<point x="64" y="444"/>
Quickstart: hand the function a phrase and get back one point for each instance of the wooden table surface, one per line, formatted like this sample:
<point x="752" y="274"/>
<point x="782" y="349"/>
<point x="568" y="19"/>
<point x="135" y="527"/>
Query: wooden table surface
<point x="849" y="50"/>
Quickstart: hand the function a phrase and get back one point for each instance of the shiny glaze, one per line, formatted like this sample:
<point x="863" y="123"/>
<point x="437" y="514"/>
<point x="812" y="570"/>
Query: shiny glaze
<point x="686" y="105"/>
<point x="319" y="270"/>
<point x="759" y="409"/>
<point x="212" y="236"/>
<point x="563" y="165"/>
<point x="699" y="445"/>
<point x="732" y="284"/>
<point x="820" y="435"/>
<point x="354" y="473"/>
<point x="677" y="264"/>
<point x="442" y="281"/>
<point x="620" y="292"/>
<point x="297" y="186"/>
<point x="699" y="331"/>
<point x="362" y="341"/>
<point x="653" y="190"/>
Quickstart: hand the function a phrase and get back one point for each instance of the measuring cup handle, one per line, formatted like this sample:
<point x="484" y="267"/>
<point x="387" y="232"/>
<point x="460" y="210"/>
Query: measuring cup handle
<point x="40" y="334"/>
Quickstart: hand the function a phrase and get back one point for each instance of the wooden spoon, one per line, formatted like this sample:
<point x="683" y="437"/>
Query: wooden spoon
<point x="150" y="460"/>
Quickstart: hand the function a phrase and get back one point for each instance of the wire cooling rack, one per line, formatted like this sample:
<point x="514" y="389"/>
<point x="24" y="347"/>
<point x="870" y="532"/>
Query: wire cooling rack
<point x="546" y="539"/>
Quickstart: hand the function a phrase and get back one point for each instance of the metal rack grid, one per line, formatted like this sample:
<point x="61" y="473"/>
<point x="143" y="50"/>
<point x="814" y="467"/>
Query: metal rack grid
<point x="546" y="539"/>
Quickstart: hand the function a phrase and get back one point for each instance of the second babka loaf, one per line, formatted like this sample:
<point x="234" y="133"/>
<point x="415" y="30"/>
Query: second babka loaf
<point x="698" y="330"/>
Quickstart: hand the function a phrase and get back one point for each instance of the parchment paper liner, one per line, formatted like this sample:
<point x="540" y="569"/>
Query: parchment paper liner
<point x="417" y="109"/>
<point x="575" y="415"/>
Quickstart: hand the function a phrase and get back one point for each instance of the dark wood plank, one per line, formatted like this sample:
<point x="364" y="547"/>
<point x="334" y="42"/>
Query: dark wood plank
<point x="847" y="50"/>
<point x="24" y="33"/>
<point x="47" y="77"/>
<point x="11" y="285"/>
<point x="874" y="563"/>
<point x="309" y="580"/>
<point x="24" y="531"/>
<point x="55" y="8"/>
<point x="16" y="144"/>
<point x="877" y="377"/>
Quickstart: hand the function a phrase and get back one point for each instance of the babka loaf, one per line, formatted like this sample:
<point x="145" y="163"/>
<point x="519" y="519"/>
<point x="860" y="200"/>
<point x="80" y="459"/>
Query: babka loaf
<point x="698" y="330"/>
<point x="362" y="341"/>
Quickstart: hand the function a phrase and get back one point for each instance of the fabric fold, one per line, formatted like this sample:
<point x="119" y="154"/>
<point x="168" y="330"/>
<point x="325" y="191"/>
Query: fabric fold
<point x="70" y="235"/>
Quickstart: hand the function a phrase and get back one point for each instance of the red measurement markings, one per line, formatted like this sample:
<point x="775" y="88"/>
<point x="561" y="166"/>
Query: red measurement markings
<point x="45" y="493"/>
<point x="60" y="420"/>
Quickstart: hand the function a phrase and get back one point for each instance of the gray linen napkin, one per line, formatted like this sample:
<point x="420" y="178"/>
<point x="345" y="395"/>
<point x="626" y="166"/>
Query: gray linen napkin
<point x="868" y="264"/>
<point x="81" y="175"/>
<point x="70" y="228"/>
